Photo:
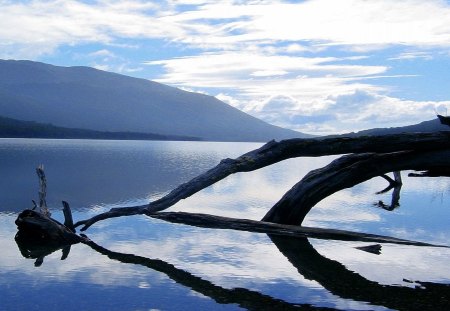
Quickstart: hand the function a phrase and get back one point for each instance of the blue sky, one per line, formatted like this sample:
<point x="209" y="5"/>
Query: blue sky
<point x="318" y="66"/>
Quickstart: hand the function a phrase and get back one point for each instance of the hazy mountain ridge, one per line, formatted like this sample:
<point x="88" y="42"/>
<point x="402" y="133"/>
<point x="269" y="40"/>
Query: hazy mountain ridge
<point x="12" y="128"/>
<point x="425" y="126"/>
<point x="83" y="97"/>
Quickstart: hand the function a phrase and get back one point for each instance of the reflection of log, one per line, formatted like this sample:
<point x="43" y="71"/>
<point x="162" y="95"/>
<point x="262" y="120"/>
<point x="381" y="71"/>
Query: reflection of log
<point x="37" y="248"/>
<point x="245" y="298"/>
<point x="435" y="172"/>
<point x="347" y="284"/>
<point x="274" y="152"/>
<point x="393" y="183"/>
<point x="346" y="172"/>
<point x="218" y="222"/>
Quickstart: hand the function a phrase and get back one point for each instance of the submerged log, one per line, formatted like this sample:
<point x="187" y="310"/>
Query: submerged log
<point x="274" y="152"/>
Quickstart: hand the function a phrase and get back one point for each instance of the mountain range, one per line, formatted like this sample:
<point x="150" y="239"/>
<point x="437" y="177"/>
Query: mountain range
<point x="91" y="99"/>
<point x="426" y="126"/>
<point x="12" y="128"/>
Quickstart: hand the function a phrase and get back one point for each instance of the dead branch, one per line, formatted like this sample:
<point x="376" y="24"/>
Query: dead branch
<point x="42" y="191"/>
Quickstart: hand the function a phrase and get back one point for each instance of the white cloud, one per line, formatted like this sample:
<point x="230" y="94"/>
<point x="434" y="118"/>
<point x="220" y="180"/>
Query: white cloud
<point x="413" y="55"/>
<point x="228" y="24"/>
<point x="255" y="52"/>
<point x="51" y="24"/>
<point x="348" y="22"/>
<point x="255" y="75"/>
<point x="103" y="53"/>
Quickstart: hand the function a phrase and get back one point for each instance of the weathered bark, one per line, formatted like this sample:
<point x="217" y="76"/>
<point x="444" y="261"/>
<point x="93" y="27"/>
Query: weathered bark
<point x="274" y="152"/>
<point x="68" y="219"/>
<point x="42" y="191"/>
<point x="346" y="172"/>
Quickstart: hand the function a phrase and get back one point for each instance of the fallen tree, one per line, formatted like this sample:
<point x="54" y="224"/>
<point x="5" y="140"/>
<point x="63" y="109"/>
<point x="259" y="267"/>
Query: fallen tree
<point x="370" y="156"/>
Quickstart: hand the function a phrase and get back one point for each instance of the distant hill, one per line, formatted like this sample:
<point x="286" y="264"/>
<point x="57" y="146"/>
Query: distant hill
<point x="87" y="98"/>
<point x="426" y="126"/>
<point x="12" y="128"/>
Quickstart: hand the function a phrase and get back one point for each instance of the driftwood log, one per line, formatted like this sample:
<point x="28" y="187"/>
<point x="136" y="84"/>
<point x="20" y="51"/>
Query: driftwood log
<point x="373" y="156"/>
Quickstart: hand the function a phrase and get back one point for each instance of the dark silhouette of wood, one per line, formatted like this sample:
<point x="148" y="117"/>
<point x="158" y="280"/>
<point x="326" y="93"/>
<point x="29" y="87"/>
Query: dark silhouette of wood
<point x="68" y="219"/>
<point x="393" y="183"/>
<point x="444" y="120"/>
<point x="435" y="172"/>
<point x="274" y="152"/>
<point x="42" y="191"/>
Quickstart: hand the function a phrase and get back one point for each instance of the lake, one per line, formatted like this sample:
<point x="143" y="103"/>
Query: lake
<point x="148" y="264"/>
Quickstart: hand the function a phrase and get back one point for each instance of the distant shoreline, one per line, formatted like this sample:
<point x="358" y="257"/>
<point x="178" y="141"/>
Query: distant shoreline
<point x="12" y="128"/>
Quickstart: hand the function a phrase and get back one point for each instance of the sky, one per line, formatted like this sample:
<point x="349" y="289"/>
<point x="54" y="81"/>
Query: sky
<point x="317" y="66"/>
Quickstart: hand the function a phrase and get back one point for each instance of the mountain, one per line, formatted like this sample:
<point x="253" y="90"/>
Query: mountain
<point x="87" y="98"/>
<point x="12" y="128"/>
<point x="426" y="126"/>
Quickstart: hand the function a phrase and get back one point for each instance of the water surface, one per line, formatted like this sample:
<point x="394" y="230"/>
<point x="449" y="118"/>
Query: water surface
<point x="148" y="264"/>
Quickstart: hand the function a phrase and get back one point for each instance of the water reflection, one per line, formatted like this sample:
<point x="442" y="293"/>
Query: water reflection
<point x="331" y="274"/>
<point x="344" y="283"/>
<point x="248" y="299"/>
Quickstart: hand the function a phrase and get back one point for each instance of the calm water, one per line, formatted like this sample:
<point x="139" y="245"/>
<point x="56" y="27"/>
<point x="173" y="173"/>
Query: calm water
<point x="148" y="264"/>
